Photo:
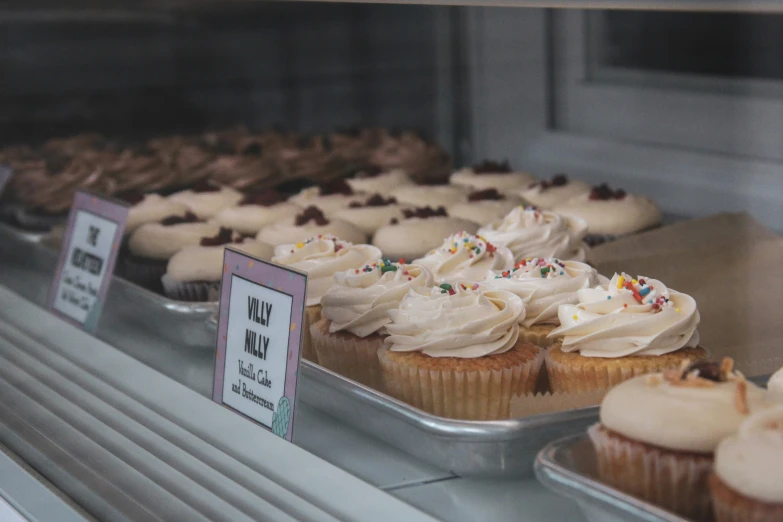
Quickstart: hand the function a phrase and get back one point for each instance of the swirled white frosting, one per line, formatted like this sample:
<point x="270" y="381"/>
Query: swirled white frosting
<point x="530" y="232"/>
<point x="414" y="237"/>
<point x="205" y="263"/>
<point x="628" y="317"/>
<point x="360" y="298"/>
<point x="151" y="209"/>
<point x="751" y="462"/>
<point x="206" y="205"/>
<point x="464" y="256"/>
<point x="321" y="257"/>
<point x="775" y="383"/>
<point x="630" y="214"/>
<point x="455" y="321"/>
<point x="545" y="283"/>
<point x="684" y="418"/>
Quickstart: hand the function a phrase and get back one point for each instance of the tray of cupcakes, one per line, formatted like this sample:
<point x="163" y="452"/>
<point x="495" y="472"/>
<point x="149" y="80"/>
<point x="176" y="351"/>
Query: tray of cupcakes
<point x="700" y="443"/>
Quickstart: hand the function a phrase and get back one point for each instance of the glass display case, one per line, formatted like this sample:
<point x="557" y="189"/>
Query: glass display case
<point x="590" y="140"/>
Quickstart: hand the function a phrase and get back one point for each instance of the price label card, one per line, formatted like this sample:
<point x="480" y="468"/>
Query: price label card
<point x="5" y="176"/>
<point x="90" y="244"/>
<point x="260" y="323"/>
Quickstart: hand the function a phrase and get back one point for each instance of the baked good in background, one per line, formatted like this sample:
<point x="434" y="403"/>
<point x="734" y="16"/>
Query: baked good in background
<point x="611" y="213"/>
<point x="371" y="213"/>
<point x="206" y="199"/>
<point x="194" y="272"/>
<point x="544" y="284"/>
<point x="149" y="208"/>
<point x="547" y="194"/>
<point x="354" y="317"/>
<point x="374" y="180"/>
<point x="421" y="230"/>
<point x="747" y="484"/>
<point x="625" y="328"/>
<point x="465" y="257"/>
<point x="658" y="432"/>
<point x="329" y="197"/>
<point x="531" y="232"/>
<point x="46" y="176"/>
<point x="453" y="350"/>
<point x="321" y="257"/>
<point x="430" y="194"/>
<point x="485" y="206"/>
<point x="492" y="174"/>
<point x="149" y="248"/>
<point x="255" y="211"/>
<point x="309" y="222"/>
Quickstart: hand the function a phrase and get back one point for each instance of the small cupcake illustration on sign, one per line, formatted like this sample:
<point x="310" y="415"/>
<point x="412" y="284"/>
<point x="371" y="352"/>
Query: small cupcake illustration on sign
<point x="259" y="340"/>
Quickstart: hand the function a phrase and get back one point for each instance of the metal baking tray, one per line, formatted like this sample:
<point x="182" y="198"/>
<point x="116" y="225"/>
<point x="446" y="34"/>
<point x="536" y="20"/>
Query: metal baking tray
<point x="567" y="466"/>
<point x="494" y="449"/>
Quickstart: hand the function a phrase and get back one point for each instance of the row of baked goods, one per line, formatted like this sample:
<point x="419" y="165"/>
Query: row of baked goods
<point x="700" y="441"/>
<point x="46" y="176"/>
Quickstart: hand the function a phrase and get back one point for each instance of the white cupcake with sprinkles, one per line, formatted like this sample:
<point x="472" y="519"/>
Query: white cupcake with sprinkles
<point x="544" y="284"/>
<point x="463" y="256"/>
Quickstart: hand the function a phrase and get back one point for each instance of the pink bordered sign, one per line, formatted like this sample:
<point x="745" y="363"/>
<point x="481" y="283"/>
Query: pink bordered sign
<point x="91" y="242"/>
<point x="259" y="340"/>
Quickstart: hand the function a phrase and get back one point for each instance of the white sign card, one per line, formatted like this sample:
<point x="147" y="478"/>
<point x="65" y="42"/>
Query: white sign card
<point x="260" y="323"/>
<point x="89" y="250"/>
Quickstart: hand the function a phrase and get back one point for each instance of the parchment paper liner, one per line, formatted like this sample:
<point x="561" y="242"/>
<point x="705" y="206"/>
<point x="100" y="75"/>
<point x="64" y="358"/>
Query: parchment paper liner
<point x="353" y="357"/>
<point x="572" y="373"/>
<point x="732" y="506"/>
<point x="470" y="389"/>
<point x="674" y="480"/>
<point x="191" y="291"/>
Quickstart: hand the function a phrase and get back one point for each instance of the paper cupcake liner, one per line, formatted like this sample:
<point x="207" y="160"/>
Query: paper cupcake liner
<point x="146" y="273"/>
<point x="312" y="316"/>
<point x="462" y="388"/>
<point x="732" y="506"/>
<point x="353" y="357"/>
<point x="572" y="373"/>
<point x="676" y="481"/>
<point x="191" y="291"/>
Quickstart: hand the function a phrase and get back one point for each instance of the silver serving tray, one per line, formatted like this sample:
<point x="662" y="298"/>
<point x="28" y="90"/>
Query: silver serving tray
<point x="568" y="467"/>
<point x="486" y="449"/>
<point x="467" y="448"/>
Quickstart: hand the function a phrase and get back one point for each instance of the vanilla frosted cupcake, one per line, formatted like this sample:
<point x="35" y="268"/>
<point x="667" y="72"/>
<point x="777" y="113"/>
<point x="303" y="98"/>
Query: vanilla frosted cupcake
<point x="611" y="213"/>
<point x="310" y="222"/>
<point x="377" y="181"/>
<point x="546" y="194"/>
<point x="255" y="211"/>
<point x="530" y="232"/>
<point x="747" y="485"/>
<point x="454" y="351"/>
<point x="151" y="246"/>
<point x="194" y="273"/>
<point x="321" y="257"/>
<point x="422" y="230"/>
<point x="150" y="208"/>
<point x="430" y="195"/>
<point x="485" y="206"/>
<point x="463" y="256"/>
<point x="491" y="174"/>
<point x="543" y="284"/>
<point x="371" y="214"/>
<point x="354" y="317"/>
<point x="206" y="199"/>
<point x="658" y="432"/>
<point x="329" y="197"/>
<point x="626" y="328"/>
